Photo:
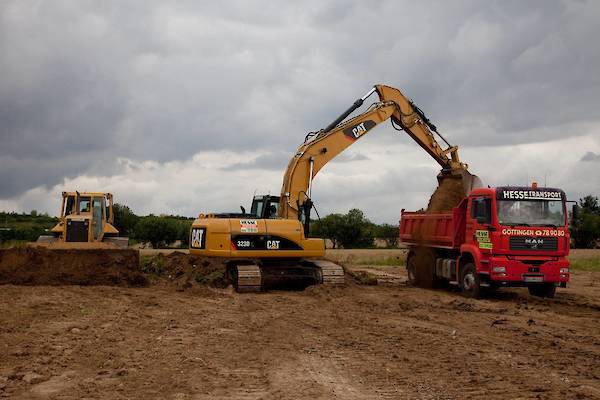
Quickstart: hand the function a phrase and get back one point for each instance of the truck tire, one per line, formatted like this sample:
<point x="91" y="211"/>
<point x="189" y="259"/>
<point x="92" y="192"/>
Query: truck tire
<point x="420" y="266"/>
<point x="547" y="290"/>
<point x="470" y="284"/>
<point x="411" y="270"/>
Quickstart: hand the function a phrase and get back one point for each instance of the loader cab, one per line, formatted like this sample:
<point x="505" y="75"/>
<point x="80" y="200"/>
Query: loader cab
<point x="84" y="215"/>
<point x="265" y="206"/>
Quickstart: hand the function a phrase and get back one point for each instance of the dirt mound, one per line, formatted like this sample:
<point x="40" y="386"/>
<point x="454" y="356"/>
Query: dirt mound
<point x="186" y="270"/>
<point x="447" y="195"/>
<point x="41" y="266"/>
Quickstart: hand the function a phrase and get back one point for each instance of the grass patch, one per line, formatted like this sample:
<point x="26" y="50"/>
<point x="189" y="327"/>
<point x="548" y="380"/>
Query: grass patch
<point x="384" y="262"/>
<point x="152" y="264"/>
<point x="586" y="264"/>
<point x="215" y="278"/>
<point x="13" y="243"/>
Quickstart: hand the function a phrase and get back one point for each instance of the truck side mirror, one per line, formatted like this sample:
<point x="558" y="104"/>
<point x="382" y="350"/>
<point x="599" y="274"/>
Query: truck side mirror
<point x="575" y="212"/>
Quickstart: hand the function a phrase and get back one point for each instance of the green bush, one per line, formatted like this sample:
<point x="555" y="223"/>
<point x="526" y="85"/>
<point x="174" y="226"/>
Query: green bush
<point x="159" y="231"/>
<point x="124" y="219"/>
<point x="351" y="230"/>
<point x="389" y="233"/>
<point x="585" y="229"/>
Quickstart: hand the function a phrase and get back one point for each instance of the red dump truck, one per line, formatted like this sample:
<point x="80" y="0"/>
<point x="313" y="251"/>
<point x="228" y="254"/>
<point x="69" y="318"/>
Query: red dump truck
<point x="504" y="236"/>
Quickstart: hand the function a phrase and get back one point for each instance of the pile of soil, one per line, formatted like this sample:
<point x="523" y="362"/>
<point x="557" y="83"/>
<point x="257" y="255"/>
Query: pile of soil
<point x="186" y="270"/>
<point x="447" y="195"/>
<point x="41" y="266"/>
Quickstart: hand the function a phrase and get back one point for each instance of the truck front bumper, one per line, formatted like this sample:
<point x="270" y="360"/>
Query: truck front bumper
<point x="521" y="272"/>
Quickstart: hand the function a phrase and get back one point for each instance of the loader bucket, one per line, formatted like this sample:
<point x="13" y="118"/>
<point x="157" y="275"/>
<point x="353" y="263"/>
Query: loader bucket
<point x="453" y="186"/>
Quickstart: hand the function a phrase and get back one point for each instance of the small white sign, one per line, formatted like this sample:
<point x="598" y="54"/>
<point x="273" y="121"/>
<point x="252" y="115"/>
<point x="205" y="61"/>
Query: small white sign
<point x="248" y="225"/>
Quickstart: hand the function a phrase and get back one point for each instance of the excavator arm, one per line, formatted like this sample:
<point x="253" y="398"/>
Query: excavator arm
<point x="322" y="146"/>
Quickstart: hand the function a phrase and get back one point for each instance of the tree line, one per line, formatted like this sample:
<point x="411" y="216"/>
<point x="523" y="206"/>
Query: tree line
<point x="350" y="230"/>
<point x="353" y="230"/>
<point x="585" y="227"/>
<point x="159" y="231"/>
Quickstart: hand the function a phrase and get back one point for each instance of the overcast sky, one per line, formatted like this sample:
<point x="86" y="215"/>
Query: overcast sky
<point x="187" y="107"/>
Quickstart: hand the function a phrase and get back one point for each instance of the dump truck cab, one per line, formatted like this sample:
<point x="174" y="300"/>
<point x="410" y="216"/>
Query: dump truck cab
<point x="518" y="235"/>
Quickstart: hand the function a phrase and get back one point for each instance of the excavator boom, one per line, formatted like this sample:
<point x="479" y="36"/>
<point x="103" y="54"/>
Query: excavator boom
<point x="322" y="146"/>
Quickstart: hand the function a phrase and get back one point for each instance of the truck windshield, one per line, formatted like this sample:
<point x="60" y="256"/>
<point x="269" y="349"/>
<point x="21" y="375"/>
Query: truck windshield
<point x="531" y="212"/>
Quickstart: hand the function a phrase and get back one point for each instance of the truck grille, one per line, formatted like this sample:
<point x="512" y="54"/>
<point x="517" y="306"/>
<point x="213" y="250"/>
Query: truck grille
<point x="533" y="243"/>
<point x="77" y="231"/>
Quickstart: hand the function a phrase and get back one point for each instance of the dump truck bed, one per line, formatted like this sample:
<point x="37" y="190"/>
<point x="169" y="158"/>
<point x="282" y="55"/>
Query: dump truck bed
<point x="444" y="230"/>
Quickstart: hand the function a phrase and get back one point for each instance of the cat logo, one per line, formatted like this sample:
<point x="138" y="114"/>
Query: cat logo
<point x="197" y="238"/>
<point x="356" y="131"/>
<point x="273" y="244"/>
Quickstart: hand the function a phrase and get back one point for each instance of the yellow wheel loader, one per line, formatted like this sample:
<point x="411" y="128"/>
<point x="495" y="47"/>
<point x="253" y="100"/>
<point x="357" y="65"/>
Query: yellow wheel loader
<point x="86" y="221"/>
<point x="271" y="242"/>
<point x="84" y="248"/>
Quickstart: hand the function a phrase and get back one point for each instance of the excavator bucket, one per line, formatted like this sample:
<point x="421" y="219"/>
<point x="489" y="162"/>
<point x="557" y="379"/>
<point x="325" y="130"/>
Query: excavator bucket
<point x="453" y="186"/>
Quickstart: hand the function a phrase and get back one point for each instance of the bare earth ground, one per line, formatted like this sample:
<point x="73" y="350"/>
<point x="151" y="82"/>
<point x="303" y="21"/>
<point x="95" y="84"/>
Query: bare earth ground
<point x="357" y="342"/>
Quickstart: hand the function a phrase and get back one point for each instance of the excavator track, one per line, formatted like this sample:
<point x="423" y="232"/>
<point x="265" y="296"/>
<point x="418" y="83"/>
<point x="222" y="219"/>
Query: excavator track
<point x="248" y="278"/>
<point x="331" y="273"/>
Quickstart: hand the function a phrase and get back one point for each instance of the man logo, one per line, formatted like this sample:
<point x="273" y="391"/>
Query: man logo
<point x="534" y="243"/>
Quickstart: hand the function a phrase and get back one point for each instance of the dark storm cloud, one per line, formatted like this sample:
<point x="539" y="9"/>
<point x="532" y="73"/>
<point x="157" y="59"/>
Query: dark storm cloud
<point x="345" y="157"/>
<point x="590" y="156"/>
<point x="272" y="161"/>
<point x="84" y="83"/>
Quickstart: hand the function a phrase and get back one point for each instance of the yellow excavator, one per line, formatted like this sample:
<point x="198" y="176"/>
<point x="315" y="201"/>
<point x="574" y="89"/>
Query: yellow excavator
<point x="271" y="242"/>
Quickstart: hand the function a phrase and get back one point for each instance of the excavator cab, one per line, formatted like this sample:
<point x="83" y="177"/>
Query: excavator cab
<point x="265" y="206"/>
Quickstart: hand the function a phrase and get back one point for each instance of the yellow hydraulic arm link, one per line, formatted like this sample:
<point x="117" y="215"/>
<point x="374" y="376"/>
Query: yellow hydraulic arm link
<point x="322" y="146"/>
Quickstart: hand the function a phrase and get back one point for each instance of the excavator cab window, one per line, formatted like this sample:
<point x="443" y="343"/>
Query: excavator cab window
<point x="272" y="208"/>
<point x="265" y="207"/>
<point x="257" y="207"/>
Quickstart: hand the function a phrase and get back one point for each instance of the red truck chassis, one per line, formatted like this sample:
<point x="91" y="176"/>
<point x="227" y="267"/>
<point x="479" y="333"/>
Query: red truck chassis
<point x="508" y="236"/>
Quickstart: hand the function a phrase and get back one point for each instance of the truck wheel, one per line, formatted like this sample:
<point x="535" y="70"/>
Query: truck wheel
<point x="411" y="271"/>
<point x="544" y="290"/>
<point x="420" y="269"/>
<point x="469" y="281"/>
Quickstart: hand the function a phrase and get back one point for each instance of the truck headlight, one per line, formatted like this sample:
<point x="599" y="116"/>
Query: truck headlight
<point x="564" y="270"/>
<point x="498" y="269"/>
